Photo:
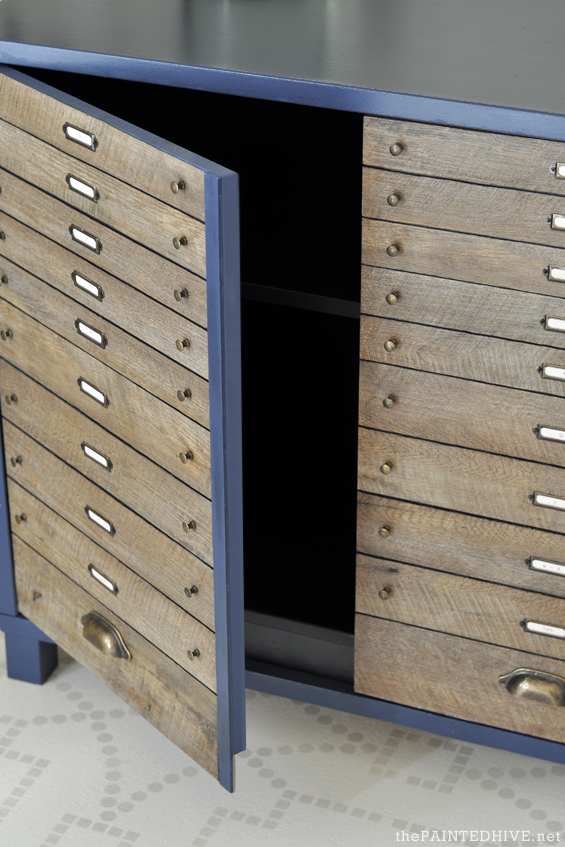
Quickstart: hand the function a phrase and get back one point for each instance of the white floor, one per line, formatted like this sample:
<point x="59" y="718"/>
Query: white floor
<point x="79" y="769"/>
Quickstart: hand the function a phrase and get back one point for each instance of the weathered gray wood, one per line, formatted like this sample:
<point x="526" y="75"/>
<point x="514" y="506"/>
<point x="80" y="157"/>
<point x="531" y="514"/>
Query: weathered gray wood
<point x="463" y="207"/>
<point x="463" y="480"/>
<point x="127" y="209"/>
<point x="457" y="411"/>
<point x="141" y="420"/>
<point x="481" y="157"/>
<point x="457" y="605"/>
<point x="118" y="153"/>
<point x="178" y="705"/>
<point x="459" y="543"/>
<point x="454" y="255"/>
<point x="123" y="303"/>
<point x="136" y="543"/>
<point x="450" y="675"/>
<point x="119" y="255"/>
<point x="160" y="621"/>
<point x="490" y="360"/>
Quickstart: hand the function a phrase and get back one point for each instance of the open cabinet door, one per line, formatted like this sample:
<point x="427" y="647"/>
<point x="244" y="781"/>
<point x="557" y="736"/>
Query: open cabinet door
<point x="121" y="413"/>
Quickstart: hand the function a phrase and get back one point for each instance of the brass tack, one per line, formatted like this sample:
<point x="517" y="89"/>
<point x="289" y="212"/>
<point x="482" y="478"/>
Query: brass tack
<point x="181" y="294"/>
<point x="393" y="249"/>
<point x="396" y="149"/>
<point x="384" y="593"/>
<point x="384" y="531"/>
<point x="393" y="298"/>
<point x="188" y="525"/>
<point x="386" y="468"/>
<point x="390" y="345"/>
<point x="190" y="591"/>
<point x="186" y="457"/>
<point x="178" y="186"/>
<point x="184" y="395"/>
<point x="182" y="344"/>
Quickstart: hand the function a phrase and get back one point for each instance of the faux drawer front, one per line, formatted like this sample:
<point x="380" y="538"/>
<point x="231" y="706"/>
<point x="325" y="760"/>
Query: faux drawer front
<point x="434" y="600"/>
<point x="176" y="703"/>
<point x="461" y="412"/>
<point x="480" y="157"/>
<point x="121" y="471"/>
<point x="127" y="410"/>
<point x="111" y="201"/>
<point x="134" y="157"/>
<point x="123" y="533"/>
<point x="465" y="306"/>
<point x="133" y="359"/>
<point x="490" y="360"/>
<point x="164" y="624"/>
<point x="463" y="207"/>
<point x="452" y="676"/>
<point x="461" y="544"/>
<point x="122" y="303"/>
<point x="458" y="479"/>
<point x="454" y="255"/>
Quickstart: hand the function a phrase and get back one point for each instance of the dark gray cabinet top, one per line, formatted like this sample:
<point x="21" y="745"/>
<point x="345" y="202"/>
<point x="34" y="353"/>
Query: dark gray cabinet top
<point x="468" y="62"/>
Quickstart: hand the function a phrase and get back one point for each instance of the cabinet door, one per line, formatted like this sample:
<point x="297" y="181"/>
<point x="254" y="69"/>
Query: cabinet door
<point x="121" y="410"/>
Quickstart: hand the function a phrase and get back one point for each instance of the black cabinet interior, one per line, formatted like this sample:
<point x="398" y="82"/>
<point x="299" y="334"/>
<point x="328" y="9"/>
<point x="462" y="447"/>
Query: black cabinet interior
<point x="300" y="196"/>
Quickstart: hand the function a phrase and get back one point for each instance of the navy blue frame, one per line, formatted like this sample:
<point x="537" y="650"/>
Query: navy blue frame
<point x="29" y="651"/>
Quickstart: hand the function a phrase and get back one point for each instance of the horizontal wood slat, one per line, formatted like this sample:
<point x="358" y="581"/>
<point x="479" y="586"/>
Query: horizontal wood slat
<point x="134" y="415"/>
<point x="457" y="605"/>
<point x="459" y="543"/>
<point x="443" y="351"/>
<point x="459" y="479"/>
<point x="450" y="675"/>
<point x="149" y="612"/>
<point x="457" y="411"/>
<point x="137" y="482"/>
<point x="118" y="152"/>
<point x="123" y="302"/>
<point x="480" y="157"/>
<point x="123" y="353"/>
<point x="178" y="705"/>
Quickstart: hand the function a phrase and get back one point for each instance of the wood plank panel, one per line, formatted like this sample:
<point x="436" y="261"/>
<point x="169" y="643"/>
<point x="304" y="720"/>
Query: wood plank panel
<point x="458" y="479"/>
<point x="480" y="157"/>
<point x="464" y="306"/>
<point x="457" y="411"/>
<point x="443" y="351"/>
<point x="122" y="303"/>
<point x="135" y="542"/>
<point x="127" y="209"/>
<point x="124" y="353"/>
<point x="457" y="605"/>
<point x="137" y="482"/>
<point x="118" y="152"/>
<point x="134" y="415"/>
<point x="450" y="675"/>
<point x="459" y="543"/>
<point x="71" y="551"/>
<point x="118" y="255"/>
<point x="178" y="705"/>
<point x="463" y="207"/>
<point x="453" y="255"/>
<point x="149" y="612"/>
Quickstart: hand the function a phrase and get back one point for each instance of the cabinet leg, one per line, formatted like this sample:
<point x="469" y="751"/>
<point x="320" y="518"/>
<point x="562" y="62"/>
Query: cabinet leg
<point x="30" y="659"/>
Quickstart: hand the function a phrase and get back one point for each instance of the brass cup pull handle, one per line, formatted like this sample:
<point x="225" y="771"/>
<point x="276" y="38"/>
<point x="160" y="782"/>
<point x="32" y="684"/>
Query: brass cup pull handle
<point x="104" y="636"/>
<point x="535" y="685"/>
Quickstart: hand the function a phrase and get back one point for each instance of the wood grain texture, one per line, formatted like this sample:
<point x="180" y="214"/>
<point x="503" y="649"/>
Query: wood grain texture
<point x="444" y="351"/>
<point x="463" y="207"/>
<point x="450" y="675"/>
<point x="136" y="543"/>
<point x="459" y="543"/>
<point x="457" y="605"/>
<point x="481" y="157"/>
<point x="127" y="209"/>
<point x="123" y="303"/>
<point x="140" y="363"/>
<point x="463" y="306"/>
<point x="149" y="612"/>
<point x="118" y="153"/>
<point x="458" y="479"/>
<point x="453" y="255"/>
<point x="141" y="420"/>
<point x="119" y="255"/>
<point x="137" y="482"/>
<point x="178" y="705"/>
<point x="457" y="411"/>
